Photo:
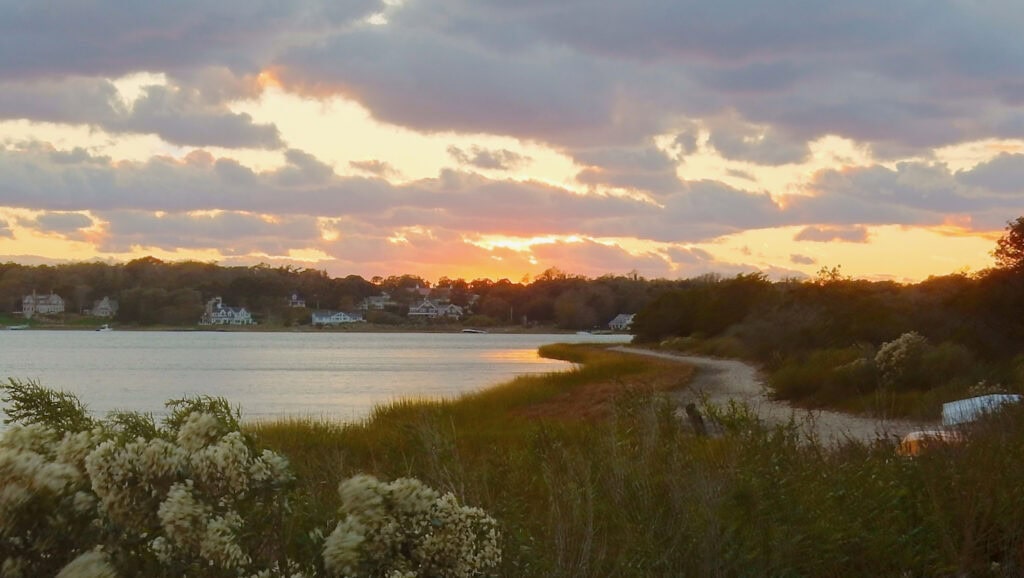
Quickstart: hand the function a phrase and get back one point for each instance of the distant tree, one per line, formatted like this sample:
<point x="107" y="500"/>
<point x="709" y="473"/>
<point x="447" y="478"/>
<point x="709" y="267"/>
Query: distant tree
<point x="1009" y="251"/>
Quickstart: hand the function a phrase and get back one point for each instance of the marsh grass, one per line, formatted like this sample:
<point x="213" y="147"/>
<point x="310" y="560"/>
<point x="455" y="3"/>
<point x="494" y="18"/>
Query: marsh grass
<point x="634" y="494"/>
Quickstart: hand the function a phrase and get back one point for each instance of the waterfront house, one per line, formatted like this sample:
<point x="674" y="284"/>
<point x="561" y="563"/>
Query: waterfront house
<point x="377" y="302"/>
<point x="296" y="300"/>
<point x="324" y="318"/>
<point x="33" y="304"/>
<point x="105" y="307"/>
<point x="622" y="322"/>
<point x="429" y="309"/>
<point x="425" y="310"/>
<point x="219" y="314"/>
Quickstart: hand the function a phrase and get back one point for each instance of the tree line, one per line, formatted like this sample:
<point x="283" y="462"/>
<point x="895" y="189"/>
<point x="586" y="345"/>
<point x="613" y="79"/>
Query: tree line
<point x="876" y="346"/>
<point x="154" y="292"/>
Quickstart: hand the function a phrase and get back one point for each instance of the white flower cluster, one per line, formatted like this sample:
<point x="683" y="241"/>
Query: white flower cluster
<point x="898" y="358"/>
<point x="43" y="492"/>
<point x="188" y="500"/>
<point x="406" y="529"/>
<point x="195" y="498"/>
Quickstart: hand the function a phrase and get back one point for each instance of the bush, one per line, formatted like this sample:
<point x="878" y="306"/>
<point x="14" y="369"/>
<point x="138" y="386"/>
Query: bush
<point x="194" y="497"/>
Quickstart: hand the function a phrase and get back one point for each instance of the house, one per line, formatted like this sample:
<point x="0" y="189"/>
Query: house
<point x="377" y="303"/>
<point x="433" y="310"/>
<point x="425" y="310"/>
<point x="41" y="304"/>
<point x="105" y="307"/>
<point x="622" y="322"/>
<point x="296" y="300"/>
<point x="322" y="318"/>
<point x="219" y="314"/>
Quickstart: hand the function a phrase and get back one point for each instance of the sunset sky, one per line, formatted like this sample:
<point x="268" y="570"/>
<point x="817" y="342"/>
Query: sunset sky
<point x="498" y="138"/>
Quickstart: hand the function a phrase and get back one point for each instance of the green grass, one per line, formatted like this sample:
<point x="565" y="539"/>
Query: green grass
<point x="636" y="495"/>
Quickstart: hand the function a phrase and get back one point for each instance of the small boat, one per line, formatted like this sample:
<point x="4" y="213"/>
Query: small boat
<point x="473" y="331"/>
<point x="17" y="327"/>
<point x="105" y="327"/>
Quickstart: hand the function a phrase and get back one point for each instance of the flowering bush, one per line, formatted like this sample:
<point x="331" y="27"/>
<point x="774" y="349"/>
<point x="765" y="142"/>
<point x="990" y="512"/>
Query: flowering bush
<point x="405" y="528"/>
<point x="194" y="497"/>
<point x="900" y="362"/>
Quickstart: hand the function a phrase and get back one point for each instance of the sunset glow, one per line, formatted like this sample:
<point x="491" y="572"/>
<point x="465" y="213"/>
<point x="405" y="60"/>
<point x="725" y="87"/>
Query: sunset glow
<point x="457" y="139"/>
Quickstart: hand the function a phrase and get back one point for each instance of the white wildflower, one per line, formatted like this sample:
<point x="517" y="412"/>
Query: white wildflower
<point x="341" y="549"/>
<point x="182" y="516"/>
<point x="198" y="430"/>
<point x="92" y="564"/>
<point x="223" y="467"/>
<point x="362" y="494"/>
<point x="218" y="544"/>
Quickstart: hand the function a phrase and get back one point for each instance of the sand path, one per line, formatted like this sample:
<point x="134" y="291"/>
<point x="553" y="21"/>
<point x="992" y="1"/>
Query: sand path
<point x="719" y="380"/>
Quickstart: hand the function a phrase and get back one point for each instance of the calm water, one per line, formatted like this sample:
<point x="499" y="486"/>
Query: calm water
<point x="333" y="375"/>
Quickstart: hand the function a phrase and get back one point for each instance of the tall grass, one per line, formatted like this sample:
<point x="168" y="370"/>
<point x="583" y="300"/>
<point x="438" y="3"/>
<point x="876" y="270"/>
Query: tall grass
<point x="634" y="494"/>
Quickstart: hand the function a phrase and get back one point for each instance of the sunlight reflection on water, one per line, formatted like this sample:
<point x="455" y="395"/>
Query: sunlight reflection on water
<point x="329" y="375"/>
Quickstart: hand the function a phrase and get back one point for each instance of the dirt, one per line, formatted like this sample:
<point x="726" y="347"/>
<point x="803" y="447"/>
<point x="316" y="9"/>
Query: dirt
<point x="716" y="381"/>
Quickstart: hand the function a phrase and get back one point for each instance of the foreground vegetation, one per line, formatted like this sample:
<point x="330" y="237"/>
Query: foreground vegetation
<point x="637" y="494"/>
<point x="616" y="487"/>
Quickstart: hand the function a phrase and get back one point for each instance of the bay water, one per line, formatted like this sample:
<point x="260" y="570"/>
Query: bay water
<point x="329" y="375"/>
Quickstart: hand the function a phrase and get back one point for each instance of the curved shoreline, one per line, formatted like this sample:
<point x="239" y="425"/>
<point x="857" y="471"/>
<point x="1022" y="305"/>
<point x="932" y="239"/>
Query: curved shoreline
<point x="718" y="381"/>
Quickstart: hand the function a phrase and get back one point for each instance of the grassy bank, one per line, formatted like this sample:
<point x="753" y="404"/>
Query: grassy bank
<point x="590" y="474"/>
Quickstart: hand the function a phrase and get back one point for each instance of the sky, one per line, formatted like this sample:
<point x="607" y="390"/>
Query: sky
<point x="491" y="138"/>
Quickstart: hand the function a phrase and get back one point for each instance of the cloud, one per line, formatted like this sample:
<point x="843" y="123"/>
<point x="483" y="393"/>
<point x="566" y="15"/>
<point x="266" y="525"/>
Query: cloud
<point x="379" y="168"/>
<point x="643" y="168"/>
<point x="5" y="230"/>
<point x="762" y="145"/>
<point x="109" y="38"/>
<point x="231" y="233"/>
<point x="60" y="223"/>
<point x="896" y="77"/>
<point x="594" y="259"/>
<point x="911" y="193"/>
<point x="177" y="114"/>
<point x="830" y="234"/>
<point x="802" y="260"/>
<point x="1004" y="174"/>
<point x="495" y="159"/>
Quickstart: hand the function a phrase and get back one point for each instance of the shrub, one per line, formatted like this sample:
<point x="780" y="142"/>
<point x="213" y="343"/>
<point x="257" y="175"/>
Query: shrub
<point x="193" y="497"/>
<point x="900" y="362"/>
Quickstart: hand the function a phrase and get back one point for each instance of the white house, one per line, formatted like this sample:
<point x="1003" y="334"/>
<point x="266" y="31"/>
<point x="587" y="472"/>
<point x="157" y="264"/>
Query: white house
<point x="219" y="314"/>
<point x="622" y="322"/>
<point x="335" y="318"/>
<point x="105" y="307"/>
<point x="42" y="304"/>
<point x="377" y="302"/>
<point x="432" y="310"/>
<point x="296" y="300"/>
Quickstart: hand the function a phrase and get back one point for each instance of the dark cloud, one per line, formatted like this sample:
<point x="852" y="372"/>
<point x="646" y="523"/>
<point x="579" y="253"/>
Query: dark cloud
<point x="110" y="38"/>
<point x="308" y="187"/>
<point x="1003" y="174"/>
<point x="909" y="194"/>
<point x="910" y="76"/>
<point x="179" y="115"/>
<point x="61" y="223"/>
<point x="5" y="230"/>
<point x="831" y="234"/>
<point x="802" y="260"/>
<point x="737" y="140"/>
<point x="495" y="159"/>
<point x="232" y="233"/>
<point x="644" y="168"/>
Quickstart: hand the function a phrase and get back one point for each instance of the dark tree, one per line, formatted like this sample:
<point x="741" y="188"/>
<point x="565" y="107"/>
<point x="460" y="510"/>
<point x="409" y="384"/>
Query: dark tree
<point x="1009" y="252"/>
